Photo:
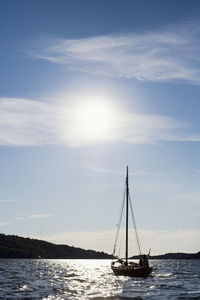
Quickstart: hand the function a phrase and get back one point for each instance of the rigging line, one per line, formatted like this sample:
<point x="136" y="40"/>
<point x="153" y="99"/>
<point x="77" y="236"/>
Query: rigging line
<point x="134" y="224"/>
<point x="119" y="223"/>
<point x="120" y="243"/>
<point x="121" y="240"/>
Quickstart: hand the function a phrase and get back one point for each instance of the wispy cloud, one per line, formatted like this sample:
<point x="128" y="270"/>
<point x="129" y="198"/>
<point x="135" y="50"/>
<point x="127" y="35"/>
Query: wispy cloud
<point x="116" y="172"/>
<point x="171" y="54"/>
<point x="35" y="216"/>
<point x="7" y="201"/>
<point x="159" y="241"/>
<point x="101" y="170"/>
<point x="185" y="197"/>
<point x="26" y="122"/>
<point x="4" y="223"/>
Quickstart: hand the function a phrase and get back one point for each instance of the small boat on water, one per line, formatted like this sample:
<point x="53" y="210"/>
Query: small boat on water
<point x="126" y="267"/>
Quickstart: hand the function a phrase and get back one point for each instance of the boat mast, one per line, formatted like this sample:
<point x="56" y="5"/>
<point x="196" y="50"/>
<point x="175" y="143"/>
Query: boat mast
<point x="127" y="197"/>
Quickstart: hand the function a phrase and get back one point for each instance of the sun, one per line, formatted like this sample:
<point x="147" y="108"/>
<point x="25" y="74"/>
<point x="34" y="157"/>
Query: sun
<point x="95" y="120"/>
<point x="92" y="121"/>
<point x="88" y="120"/>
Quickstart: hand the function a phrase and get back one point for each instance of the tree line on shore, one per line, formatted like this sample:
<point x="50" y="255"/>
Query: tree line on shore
<point x="12" y="246"/>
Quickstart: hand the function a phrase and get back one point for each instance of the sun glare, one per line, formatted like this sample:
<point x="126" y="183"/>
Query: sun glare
<point x="92" y="121"/>
<point x="95" y="120"/>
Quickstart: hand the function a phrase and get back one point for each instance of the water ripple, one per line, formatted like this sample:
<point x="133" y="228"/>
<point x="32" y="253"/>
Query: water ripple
<point x="93" y="279"/>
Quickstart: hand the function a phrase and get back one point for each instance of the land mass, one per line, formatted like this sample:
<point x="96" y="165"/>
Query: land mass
<point x="178" y="255"/>
<point x="12" y="246"/>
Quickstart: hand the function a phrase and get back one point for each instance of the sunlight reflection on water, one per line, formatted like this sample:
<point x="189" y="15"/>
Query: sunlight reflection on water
<point x="87" y="279"/>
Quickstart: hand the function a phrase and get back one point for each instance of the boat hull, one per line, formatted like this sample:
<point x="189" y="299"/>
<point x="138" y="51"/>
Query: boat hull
<point x="132" y="271"/>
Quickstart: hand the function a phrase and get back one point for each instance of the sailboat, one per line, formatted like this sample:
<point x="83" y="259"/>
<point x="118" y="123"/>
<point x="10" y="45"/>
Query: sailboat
<point x="125" y="266"/>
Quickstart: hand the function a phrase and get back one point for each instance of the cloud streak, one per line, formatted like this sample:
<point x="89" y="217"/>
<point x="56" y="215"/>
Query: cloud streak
<point x="7" y="201"/>
<point x="160" y="241"/>
<point x="116" y="172"/>
<point x="34" y="216"/>
<point x="4" y="223"/>
<point x="186" y="197"/>
<point x="26" y="122"/>
<point x="168" y="55"/>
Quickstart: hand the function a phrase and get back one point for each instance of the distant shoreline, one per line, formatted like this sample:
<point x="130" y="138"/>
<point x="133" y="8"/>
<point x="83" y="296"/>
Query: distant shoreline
<point x="12" y="246"/>
<point x="178" y="255"/>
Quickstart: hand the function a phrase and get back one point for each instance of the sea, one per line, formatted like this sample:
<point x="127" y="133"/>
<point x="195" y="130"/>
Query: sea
<point x="93" y="279"/>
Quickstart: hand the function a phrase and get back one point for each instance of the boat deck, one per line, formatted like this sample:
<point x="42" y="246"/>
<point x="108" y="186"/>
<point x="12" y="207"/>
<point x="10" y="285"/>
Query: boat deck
<point x="132" y="269"/>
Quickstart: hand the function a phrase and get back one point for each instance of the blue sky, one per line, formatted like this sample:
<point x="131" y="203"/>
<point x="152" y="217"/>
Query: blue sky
<point x="87" y="87"/>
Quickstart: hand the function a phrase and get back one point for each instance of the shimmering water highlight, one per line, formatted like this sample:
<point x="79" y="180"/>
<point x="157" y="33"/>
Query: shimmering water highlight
<point x="93" y="279"/>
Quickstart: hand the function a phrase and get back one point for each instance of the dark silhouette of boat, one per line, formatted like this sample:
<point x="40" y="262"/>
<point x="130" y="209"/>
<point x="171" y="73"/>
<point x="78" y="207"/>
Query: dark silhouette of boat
<point x="126" y="267"/>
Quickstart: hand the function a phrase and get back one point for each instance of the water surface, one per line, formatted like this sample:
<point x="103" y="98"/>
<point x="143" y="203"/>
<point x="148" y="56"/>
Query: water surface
<point x="93" y="279"/>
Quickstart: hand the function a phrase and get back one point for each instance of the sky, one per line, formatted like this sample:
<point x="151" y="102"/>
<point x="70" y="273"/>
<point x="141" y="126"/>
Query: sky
<point x="87" y="88"/>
